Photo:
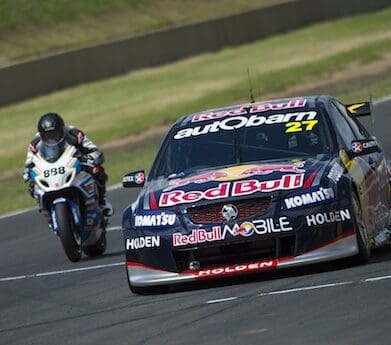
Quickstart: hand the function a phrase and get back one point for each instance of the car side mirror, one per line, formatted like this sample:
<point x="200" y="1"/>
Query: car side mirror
<point x="363" y="147"/>
<point x="134" y="179"/>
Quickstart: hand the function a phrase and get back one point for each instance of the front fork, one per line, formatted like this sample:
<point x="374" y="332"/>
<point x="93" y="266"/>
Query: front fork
<point x="74" y="211"/>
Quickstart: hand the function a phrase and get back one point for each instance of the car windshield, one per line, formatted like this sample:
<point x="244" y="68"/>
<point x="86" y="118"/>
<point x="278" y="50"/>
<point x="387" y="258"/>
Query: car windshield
<point x="244" y="139"/>
<point x="51" y="151"/>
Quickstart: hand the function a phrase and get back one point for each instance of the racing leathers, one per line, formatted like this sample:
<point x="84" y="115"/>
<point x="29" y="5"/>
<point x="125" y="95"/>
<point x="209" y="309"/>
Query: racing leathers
<point x="89" y="153"/>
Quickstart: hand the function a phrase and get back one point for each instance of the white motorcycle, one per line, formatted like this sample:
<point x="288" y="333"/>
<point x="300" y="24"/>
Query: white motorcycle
<point x="69" y="194"/>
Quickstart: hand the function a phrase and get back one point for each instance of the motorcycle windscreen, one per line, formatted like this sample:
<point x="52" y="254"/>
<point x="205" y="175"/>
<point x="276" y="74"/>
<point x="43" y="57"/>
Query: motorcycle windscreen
<point x="51" y="151"/>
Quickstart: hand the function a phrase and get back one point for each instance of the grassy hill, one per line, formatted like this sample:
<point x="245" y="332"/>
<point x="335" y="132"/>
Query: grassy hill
<point x="349" y="58"/>
<point x="34" y="27"/>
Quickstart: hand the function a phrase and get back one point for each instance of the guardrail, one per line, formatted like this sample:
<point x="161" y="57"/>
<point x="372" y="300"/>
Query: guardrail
<point x="42" y="75"/>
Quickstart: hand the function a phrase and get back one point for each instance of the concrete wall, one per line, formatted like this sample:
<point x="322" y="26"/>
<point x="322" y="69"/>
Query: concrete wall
<point x="39" y="76"/>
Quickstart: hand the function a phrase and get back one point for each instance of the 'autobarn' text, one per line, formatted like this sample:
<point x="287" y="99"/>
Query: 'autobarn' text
<point x="232" y="123"/>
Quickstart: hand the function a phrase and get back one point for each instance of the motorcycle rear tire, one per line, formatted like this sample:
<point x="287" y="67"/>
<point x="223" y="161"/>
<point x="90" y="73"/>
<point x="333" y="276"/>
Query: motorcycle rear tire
<point x="67" y="235"/>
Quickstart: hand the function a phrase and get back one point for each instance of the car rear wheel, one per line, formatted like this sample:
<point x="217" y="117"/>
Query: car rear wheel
<point x="364" y="246"/>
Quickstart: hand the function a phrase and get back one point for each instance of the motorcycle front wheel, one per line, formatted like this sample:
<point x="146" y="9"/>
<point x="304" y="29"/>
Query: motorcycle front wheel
<point x="70" y="239"/>
<point x="98" y="248"/>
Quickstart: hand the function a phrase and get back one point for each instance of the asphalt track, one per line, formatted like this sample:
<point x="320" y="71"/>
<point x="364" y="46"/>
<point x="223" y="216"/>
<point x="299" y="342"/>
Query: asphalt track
<point x="44" y="299"/>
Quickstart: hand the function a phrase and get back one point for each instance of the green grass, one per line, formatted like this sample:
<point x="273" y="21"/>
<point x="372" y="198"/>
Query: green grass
<point x="119" y="163"/>
<point x="31" y="27"/>
<point x="16" y="14"/>
<point x="126" y="105"/>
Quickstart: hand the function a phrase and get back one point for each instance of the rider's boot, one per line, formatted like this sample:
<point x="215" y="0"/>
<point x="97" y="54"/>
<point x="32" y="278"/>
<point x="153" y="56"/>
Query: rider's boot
<point x="107" y="208"/>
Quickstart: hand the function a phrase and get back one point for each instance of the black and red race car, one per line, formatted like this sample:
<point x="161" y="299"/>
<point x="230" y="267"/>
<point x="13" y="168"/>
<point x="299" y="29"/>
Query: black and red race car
<point x="257" y="187"/>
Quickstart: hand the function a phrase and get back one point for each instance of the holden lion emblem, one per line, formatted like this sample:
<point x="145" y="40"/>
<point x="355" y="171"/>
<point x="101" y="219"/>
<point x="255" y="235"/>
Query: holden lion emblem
<point x="229" y="212"/>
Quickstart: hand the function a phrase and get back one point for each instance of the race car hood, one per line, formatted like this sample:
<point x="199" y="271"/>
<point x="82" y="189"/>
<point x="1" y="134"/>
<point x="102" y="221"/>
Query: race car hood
<point x="272" y="178"/>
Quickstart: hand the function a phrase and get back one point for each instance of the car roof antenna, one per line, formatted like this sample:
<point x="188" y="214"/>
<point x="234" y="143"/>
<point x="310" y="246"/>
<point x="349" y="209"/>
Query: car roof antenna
<point x="252" y="100"/>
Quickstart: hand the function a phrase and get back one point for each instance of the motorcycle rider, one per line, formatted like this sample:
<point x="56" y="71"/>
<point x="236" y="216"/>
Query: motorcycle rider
<point x="52" y="130"/>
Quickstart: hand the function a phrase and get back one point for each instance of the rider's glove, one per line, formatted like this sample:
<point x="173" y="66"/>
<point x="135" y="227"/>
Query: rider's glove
<point x="88" y="160"/>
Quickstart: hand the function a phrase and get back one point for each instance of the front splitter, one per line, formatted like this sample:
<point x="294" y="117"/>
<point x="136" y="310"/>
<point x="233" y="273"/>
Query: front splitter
<point x="141" y="275"/>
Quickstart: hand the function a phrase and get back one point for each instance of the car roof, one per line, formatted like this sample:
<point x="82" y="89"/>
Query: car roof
<point x="310" y="102"/>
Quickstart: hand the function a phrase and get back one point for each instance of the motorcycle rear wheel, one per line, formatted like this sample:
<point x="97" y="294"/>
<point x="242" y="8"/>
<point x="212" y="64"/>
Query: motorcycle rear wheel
<point x="70" y="239"/>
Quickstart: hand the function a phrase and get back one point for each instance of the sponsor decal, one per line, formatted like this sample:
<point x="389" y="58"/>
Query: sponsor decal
<point x="266" y="169"/>
<point x="143" y="242"/>
<point x="250" y="109"/>
<point x="328" y="217"/>
<point x="197" y="236"/>
<point x="233" y="189"/>
<point x="160" y="219"/>
<point x="240" y="268"/>
<point x="239" y="172"/>
<point x="316" y="197"/>
<point x="89" y="187"/>
<point x="137" y="178"/>
<point x="246" y="229"/>
<point x="259" y="227"/>
<point x="202" y="178"/>
<point x="335" y="172"/>
<point x="358" y="147"/>
<point x="233" y="123"/>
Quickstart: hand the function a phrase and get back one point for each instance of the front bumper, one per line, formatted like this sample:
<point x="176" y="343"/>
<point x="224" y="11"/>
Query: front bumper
<point x="141" y="275"/>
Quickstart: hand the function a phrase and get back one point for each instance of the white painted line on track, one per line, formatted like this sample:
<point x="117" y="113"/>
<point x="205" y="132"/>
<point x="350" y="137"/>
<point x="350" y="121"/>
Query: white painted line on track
<point x="17" y="213"/>
<point x="114" y="228"/>
<point x="287" y="291"/>
<point x="221" y="300"/>
<point x="376" y="279"/>
<point x="53" y="273"/>
<point x="115" y="186"/>
<point x="382" y="100"/>
<point x="304" y="288"/>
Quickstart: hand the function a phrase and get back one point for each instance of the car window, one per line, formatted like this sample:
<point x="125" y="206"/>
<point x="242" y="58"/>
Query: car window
<point x="345" y="133"/>
<point x="244" y="139"/>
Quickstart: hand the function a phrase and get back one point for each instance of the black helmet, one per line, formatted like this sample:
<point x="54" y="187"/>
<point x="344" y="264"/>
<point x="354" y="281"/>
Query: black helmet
<point x="51" y="127"/>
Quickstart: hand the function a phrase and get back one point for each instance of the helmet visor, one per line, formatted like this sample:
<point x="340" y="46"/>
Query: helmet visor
<point x="52" y="137"/>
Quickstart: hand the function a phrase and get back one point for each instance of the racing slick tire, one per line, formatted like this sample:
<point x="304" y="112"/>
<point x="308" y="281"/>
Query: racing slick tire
<point x="98" y="248"/>
<point x="70" y="239"/>
<point x="363" y="242"/>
